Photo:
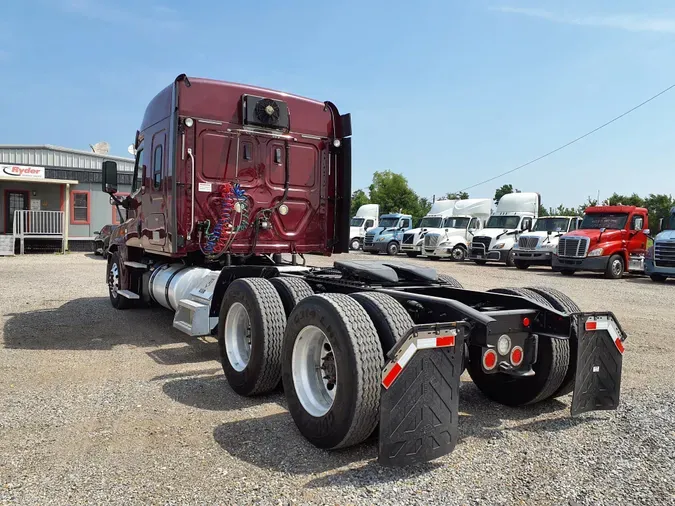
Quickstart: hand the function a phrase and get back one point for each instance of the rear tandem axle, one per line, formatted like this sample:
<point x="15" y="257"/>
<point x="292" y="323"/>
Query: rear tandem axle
<point x="366" y="345"/>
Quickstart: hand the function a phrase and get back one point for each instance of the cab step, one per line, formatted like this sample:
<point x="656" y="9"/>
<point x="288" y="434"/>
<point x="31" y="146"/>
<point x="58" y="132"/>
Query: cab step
<point x="128" y="294"/>
<point x="192" y="318"/>
<point x="135" y="265"/>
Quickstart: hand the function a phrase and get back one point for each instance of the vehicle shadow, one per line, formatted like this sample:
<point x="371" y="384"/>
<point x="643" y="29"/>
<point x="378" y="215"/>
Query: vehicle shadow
<point x="209" y="390"/>
<point x="93" y="324"/>
<point x="644" y="280"/>
<point x="273" y="442"/>
<point x="93" y="256"/>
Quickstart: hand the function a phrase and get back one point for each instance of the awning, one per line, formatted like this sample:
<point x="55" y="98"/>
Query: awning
<point x="35" y="180"/>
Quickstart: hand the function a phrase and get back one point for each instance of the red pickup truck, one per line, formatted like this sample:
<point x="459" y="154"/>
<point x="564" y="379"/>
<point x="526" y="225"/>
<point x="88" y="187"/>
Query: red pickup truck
<point x="610" y="239"/>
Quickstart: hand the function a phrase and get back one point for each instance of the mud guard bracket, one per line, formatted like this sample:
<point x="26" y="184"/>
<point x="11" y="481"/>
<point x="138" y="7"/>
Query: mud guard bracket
<point x="599" y="360"/>
<point x="420" y="393"/>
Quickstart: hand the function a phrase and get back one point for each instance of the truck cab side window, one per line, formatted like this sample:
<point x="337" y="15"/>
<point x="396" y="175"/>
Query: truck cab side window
<point x="157" y="168"/>
<point x="368" y="224"/>
<point x="638" y="222"/>
<point x="527" y="224"/>
<point x="473" y="224"/>
<point x="405" y="223"/>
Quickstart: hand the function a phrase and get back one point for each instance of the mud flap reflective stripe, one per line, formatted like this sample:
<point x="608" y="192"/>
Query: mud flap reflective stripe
<point x="419" y="395"/>
<point x="599" y="360"/>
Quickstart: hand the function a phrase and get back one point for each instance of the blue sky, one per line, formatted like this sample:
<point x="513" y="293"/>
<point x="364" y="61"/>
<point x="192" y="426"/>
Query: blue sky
<point x="446" y="92"/>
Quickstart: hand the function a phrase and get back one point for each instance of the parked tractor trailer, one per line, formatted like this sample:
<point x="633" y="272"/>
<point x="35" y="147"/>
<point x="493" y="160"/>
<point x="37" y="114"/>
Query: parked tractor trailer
<point x="234" y="186"/>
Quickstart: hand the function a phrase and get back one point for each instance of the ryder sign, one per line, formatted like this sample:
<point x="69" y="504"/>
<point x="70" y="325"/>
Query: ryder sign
<point x="22" y="171"/>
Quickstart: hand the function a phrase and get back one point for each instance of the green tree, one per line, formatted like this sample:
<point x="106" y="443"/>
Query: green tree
<point x="562" y="210"/>
<point x="505" y="189"/>
<point x="589" y="203"/>
<point x="359" y="198"/>
<point x="633" y="200"/>
<point x="659" y="206"/>
<point x="392" y="192"/>
<point x="457" y="196"/>
<point x="542" y="211"/>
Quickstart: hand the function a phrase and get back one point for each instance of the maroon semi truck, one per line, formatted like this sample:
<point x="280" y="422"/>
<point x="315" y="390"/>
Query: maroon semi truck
<point x="233" y="186"/>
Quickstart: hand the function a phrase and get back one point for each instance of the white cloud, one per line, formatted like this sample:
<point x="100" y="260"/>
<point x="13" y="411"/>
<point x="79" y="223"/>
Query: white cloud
<point x="629" y="22"/>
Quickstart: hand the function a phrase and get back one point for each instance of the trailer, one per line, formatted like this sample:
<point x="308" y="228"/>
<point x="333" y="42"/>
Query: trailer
<point x="229" y="196"/>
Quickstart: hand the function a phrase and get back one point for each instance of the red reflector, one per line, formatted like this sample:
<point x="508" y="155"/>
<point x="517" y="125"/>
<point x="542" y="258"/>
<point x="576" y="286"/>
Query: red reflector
<point x="445" y="341"/>
<point x="490" y="359"/>
<point x="619" y="345"/>
<point x="516" y="356"/>
<point x="393" y="374"/>
<point x="526" y="322"/>
<point x="591" y="325"/>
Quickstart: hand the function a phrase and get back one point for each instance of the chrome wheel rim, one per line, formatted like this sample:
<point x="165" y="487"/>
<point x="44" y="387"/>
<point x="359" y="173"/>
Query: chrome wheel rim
<point x="457" y="254"/>
<point x="238" y="336"/>
<point x="355" y="244"/>
<point x="315" y="374"/>
<point x="616" y="267"/>
<point x="114" y="279"/>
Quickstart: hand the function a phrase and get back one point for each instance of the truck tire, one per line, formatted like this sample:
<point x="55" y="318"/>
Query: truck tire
<point x="390" y="318"/>
<point x="333" y="334"/>
<point x="550" y="368"/>
<point x="250" y="335"/>
<point x="355" y="244"/>
<point x="658" y="278"/>
<point x="521" y="265"/>
<point x="449" y="280"/>
<point x="412" y="254"/>
<point x="615" y="267"/>
<point x="433" y="258"/>
<point x="374" y="252"/>
<point x="458" y="254"/>
<point x="114" y="283"/>
<point x="567" y="272"/>
<point x="510" y="259"/>
<point x="392" y="248"/>
<point x="563" y="303"/>
<point x="480" y="262"/>
<point x="291" y="291"/>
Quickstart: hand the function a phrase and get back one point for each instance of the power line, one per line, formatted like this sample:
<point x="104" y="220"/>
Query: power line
<point x="573" y="141"/>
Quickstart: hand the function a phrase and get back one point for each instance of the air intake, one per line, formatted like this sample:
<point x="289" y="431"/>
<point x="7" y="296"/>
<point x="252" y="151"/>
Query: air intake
<point x="265" y="112"/>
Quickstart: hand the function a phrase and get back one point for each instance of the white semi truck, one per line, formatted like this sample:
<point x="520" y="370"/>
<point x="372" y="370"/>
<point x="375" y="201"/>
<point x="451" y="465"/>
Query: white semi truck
<point x="365" y="219"/>
<point x="452" y="239"/>
<point x="412" y="242"/>
<point x="537" y="246"/>
<point x="515" y="213"/>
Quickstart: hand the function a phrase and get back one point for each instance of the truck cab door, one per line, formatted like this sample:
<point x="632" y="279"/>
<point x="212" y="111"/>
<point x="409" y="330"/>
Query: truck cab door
<point x="474" y="226"/>
<point x="637" y="239"/>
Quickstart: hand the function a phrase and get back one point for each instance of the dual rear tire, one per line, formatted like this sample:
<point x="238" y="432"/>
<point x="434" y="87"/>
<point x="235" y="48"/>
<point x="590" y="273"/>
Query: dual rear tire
<point x="328" y="351"/>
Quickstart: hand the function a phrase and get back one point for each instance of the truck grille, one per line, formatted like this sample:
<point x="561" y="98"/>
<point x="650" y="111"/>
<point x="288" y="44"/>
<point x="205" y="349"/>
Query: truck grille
<point x="528" y="242"/>
<point x="664" y="254"/>
<point x="431" y="240"/>
<point x="575" y="247"/>
<point x="368" y="240"/>
<point x="477" y="241"/>
<point x="408" y="238"/>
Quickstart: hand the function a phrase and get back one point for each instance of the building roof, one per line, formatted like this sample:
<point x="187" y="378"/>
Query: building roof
<point x="47" y="155"/>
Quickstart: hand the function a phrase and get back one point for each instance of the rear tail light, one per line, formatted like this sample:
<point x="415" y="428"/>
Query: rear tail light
<point x="526" y="322"/>
<point x="517" y="356"/>
<point x="489" y="359"/>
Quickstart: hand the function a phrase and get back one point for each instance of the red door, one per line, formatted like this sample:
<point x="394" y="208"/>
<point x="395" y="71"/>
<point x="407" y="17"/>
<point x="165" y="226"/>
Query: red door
<point x="637" y="240"/>
<point x="15" y="200"/>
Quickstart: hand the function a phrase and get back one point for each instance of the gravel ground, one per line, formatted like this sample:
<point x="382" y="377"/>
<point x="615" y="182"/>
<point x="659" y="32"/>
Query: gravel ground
<point x="102" y="407"/>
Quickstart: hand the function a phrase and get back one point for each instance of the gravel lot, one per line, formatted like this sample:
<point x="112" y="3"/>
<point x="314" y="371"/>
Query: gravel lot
<point x="99" y="406"/>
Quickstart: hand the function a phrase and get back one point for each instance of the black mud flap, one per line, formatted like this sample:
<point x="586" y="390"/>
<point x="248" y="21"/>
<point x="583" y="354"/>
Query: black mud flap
<point x="599" y="359"/>
<point x="420" y="394"/>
